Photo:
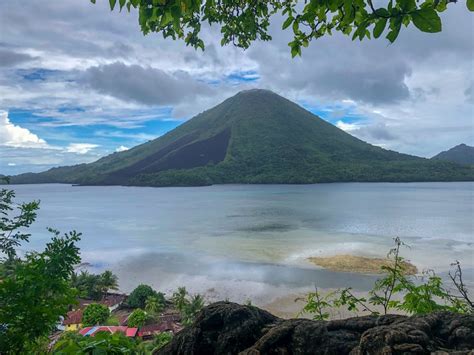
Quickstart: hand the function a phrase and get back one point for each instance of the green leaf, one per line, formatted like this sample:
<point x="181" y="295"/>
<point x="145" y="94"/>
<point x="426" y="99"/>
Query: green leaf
<point x="295" y="49"/>
<point x="395" y="25"/>
<point x="379" y="27"/>
<point x="470" y="5"/>
<point x="112" y="4"/>
<point x="347" y="6"/>
<point x="288" y="22"/>
<point x="122" y="4"/>
<point x="295" y="27"/>
<point x="427" y="20"/>
<point x="382" y="12"/>
<point x="407" y="5"/>
<point x="166" y="18"/>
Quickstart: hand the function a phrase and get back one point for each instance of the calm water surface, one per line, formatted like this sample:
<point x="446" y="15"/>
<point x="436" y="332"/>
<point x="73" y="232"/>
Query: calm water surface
<point x="239" y="241"/>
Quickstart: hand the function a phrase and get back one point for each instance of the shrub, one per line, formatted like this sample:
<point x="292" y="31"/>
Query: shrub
<point x="95" y="314"/>
<point x="415" y="296"/>
<point x="112" y="320"/>
<point x="101" y="343"/>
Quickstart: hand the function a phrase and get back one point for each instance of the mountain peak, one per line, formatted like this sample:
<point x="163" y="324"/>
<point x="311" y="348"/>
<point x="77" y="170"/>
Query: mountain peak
<point x="461" y="154"/>
<point x="256" y="136"/>
<point x="255" y="91"/>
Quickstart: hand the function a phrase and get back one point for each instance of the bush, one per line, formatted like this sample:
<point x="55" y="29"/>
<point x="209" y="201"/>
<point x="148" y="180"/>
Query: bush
<point x="95" y="314"/>
<point x="137" y="318"/>
<point x="139" y="295"/>
<point x="112" y="320"/>
<point x="101" y="343"/>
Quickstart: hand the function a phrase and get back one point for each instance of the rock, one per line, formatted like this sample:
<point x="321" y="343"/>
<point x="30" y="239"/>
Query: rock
<point x="229" y="328"/>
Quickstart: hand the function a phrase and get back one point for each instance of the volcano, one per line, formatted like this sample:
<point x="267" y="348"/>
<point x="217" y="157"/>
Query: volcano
<point x="254" y="137"/>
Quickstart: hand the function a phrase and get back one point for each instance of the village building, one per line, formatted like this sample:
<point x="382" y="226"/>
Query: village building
<point x="149" y="331"/>
<point x="112" y="301"/>
<point x="92" y="331"/>
<point x="73" y="320"/>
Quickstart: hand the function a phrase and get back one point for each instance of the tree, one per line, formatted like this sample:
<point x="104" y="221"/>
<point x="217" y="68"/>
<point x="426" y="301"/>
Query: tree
<point x="179" y="298"/>
<point x="95" y="314"/>
<point x="37" y="293"/>
<point x="108" y="281"/>
<point x="11" y="234"/>
<point x="154" y="304"/>
<point x="243" y="22"/>
<point x="188" y="306"/>
<point x="139" y="295"/>
<point x="88" y="285"/>
<point x="94" y="286"/>
<point x="137" y="318"/>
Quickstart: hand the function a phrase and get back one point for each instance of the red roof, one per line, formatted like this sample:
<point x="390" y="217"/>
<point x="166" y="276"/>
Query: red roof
<point x="73" y="317"/>
<point x="91" y="331"/>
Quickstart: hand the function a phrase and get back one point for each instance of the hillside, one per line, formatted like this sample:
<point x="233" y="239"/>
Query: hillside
<point x="461" y="154"/>
<point x="255" y="136"/>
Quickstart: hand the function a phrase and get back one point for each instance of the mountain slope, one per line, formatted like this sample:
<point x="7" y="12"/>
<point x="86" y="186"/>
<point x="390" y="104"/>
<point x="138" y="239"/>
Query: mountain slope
<point x="461" y="154"/>
<point x="255" y="136"/>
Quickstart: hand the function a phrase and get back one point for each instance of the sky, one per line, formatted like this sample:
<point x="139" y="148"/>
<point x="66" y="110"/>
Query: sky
<point x="78" y="82"/>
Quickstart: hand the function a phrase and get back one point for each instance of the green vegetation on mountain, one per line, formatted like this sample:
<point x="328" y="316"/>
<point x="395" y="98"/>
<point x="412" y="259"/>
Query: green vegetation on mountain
<point x="258" y="137"/>
<point x="461" y="154"/>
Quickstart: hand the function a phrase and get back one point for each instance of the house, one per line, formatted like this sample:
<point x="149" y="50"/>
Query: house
<point x="148" y="331"/>
<point x="170" y="317"/>
<point x="112" y="301"/>
<point x="92" y="331"/>
<point x="73" y="320"/>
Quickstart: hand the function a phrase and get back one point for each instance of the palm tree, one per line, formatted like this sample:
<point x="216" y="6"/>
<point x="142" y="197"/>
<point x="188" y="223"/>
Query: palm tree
<point x="108" y="281"/>
<point x="196" y="304"/>
<point x="192" y="308"/>
<point x="179" y="298"/>
<point x="154" y="305"/>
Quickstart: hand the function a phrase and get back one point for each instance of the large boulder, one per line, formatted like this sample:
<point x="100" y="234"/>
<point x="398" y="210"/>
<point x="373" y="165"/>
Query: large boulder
<point x="229" y="328"/>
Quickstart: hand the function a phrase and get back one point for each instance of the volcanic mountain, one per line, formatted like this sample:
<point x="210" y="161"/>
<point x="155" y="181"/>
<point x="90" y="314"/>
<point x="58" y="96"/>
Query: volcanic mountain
<point x="255" y="136"/>
<point x="461" y="154"/>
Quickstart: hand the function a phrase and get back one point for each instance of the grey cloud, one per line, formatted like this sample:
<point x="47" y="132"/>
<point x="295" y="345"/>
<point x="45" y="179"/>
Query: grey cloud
<point x="373" y="72"/>
<point x="145" y="85"/>
<point x="10" y="58"/>
<point x="469" y="93"/>
<point x="376" y="132"/>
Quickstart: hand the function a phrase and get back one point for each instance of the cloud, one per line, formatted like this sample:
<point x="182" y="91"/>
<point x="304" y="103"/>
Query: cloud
<point x="146" y="85"/>
<point x="121" y="149"/>
<point x="15" y="136"/>
<point x="121" y="81"/>
<point x="469" y="93"/>
<point x="348" y="127"/>
<point x="19" y="160"/>
<point x="80" y="148"/>
<point x="10" y="58"/>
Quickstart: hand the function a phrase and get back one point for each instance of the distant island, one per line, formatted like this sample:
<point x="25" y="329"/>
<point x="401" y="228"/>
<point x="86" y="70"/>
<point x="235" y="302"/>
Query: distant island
<point x="254" y="137"/>
<point x="461" y="154"/>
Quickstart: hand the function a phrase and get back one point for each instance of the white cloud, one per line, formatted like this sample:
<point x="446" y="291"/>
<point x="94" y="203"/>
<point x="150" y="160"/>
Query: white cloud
<point x="122" y="148"/>
<point x="80" y="148"/>
<point x="347" y="126"/>
<point x="12" y="135"/>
